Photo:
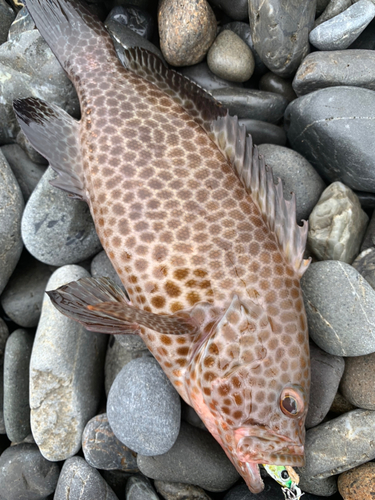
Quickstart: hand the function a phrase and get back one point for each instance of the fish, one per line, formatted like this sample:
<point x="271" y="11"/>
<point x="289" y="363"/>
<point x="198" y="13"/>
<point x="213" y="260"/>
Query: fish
<point x="206" y="247"/>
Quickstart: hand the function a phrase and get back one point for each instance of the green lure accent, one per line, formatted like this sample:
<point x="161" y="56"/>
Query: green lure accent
<point x="281" y="475"/>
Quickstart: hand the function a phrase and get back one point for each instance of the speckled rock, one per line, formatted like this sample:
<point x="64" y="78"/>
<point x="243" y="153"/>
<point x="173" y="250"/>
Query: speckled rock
<point x="280" y="32"/>
<point x="7" y="16"/>
<point x="4" y="334"/>
<point x="139" y="488"/>
<point x="180" y="491"/>
<point x="358" y="483"/>
<point x="337" y="224"/>
<point x="230" y="58"/>
<point x="66" y="372"/>
<point x="196" y="458"/>
<point x="203" y="76"/>
<point x="334" y="8"/>
<point x="274" y="83"/>
<point x="369" y="239"/>
<point x="325" y="487"/>
<point x="339" y="306"/>
<point x="264" y="132"/>
<point x="365" y="265"/>
<point x="186" y="29"/>
<point x="357" y="382"/>
<point x="297" y="175"/>
<point x="32" y="153"/>
<point x="341" y="405"/>
<point x="56" y="229"/>
<point x="102" y="266"/>
<point x="22" y="22"/>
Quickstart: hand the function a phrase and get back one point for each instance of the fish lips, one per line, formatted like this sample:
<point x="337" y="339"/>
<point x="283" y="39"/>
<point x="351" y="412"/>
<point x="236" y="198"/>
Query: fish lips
<point x="270" y="449"/>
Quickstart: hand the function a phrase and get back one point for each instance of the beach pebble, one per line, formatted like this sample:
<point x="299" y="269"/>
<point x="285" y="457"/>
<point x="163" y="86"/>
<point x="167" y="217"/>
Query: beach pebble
<point x="236" y="9"/>
<point x="325" y="487"/>
<point x="186" y="29"/>
<point x="366" y="39"/>
<point x="195" y="458"/>
<point x="6" y="18"/>
<point x="117" y="480"/>
<point x="230" y="58"/>
<point x="319" y="70"/>
<point x="274" y="83"/>
<point x="32" y="153"/>
<point x="333" y="8"/>
<point x="134" y="18"/>
<point x="143" y="408"/>
<point x="341" y="405"/>
<point x="369" y="239"/>
<point x="102" y="266"/>
<point x="272" y="491"/>
<point x="365" y="265"/>
<point x="203" y="76"/>
<point x="357" y="385"/>
<point x="340" y="31"/>
<point x="191" y="416"/>
<point x="337" y="224"/>
<point x="26" y="474"/>
<point x="79" y="481"/>
<point x="358" y="483"/>
<point x="326" y="373"/>
<point x="334" y="130"/>
<point x="139" y="488"/>
<point x="66" y="373"/>
<point x="22" y="22"/>
<point x="264" y="132"/>
<point x="321" y="5"/>
<point x="280" y="32"/>
<point x="16" y="385"/>
<point x="297" y="175"/>
<point x="4" y="334"/>
<point x="339" y="306"/>
<point x="103" y="450"/>
<point x="11" y="208"/>
<point x="180" y="491"/>
<point x="56" y="229"/>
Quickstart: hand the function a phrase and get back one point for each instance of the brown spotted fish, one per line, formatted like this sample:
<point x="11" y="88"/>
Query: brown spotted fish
<point x="205" y="244"/>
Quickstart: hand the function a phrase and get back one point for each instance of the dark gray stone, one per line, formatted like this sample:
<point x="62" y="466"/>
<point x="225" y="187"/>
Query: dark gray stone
<point x="339" y="306"/>
<point x="357" y="384"/>
<point x="264" y="132"/>
<point x="32" y="153"/>
<point x="16" y="385"/>
<point x="180" y="491"/>
<point x="326" y="373"/>
<point x="236" y="9"/>
<point x="274" y="83"/>
<point x="203" y="76"/>
<point x="6" y="18"/>
<point x="191" y="416"/>
<point x="117" y="480"/>
<point x="56" y="229"/>
<point x="102" y="266"/>
<point x="355" y="68"/>
<point x="79" y="481"/>
<point x="366" y="39"/>
<point x="195" y="458"/>
<point x="139" y="488"/>
<point x="321" y="5"/>
<point x="298" y="176"/>
<point x="254" y="104"/>
<point x="369" y="239"/>
<point x="134" y="18"/>
<point x="23" y="22"/>
<point x="25" y="474"/>
<point x="143" y="408"/>
<point x="280" y="32"/>
<point x="333" y="8"/>
<point x="365" y="265"/>
<point x="321" y="487"/>
<point x="272" y="491"/>
<point x="4" y="334"/>
<point x="334" y="130"/>
<point x="367" y="200"/>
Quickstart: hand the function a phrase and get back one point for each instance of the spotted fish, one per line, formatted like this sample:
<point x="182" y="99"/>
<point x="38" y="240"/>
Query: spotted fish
<point x="206" y="247"/>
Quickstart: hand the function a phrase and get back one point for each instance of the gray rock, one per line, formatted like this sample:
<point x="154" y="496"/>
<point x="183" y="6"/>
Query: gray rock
<point x="139" y="488"/>
<point x="117" y="480"/>
<point x="297" y="175"/>
<point x="79" y="481"/>
<point x="321" y="5"/>
<point x="337" y="224"/>
<point x="263" y="132"/>
<point x="134" y="18"/>
<point x="355" y="68"/>
<point x="236" y="9"/>
<point x="203" y="76"/>
<point x="272" y="491"/>
<point x="366" y="39"/>
<point x="367" y="200"/>
<point x="196" y="458"/>
<point x="334" y="130"/>
<point x="32" y="153"/>
<point x="23" y="296"/>
<point x="180" y="491"/>
<point x="339" y="305"/>
<point x="274" y="83"/>
<point x="131" y="342"/>
<point x="102" y="266"/>
<point x="357" y="385"/>
<point x="25" y="474"/>
<point x="56" y="229"/>
<point x="340" y="31"/>
<point x="66" y="372"/>
<point x="16" y="385"/>
<point x="322" y="487"/>
<point x="27" y="173"/>
<point x="191" y="416"/>
<point x="23" y="22"/>
<point x="365" y="265"/>
<point x="254" y="104"/>
<point x="143" y="408"/>
<point x="4" y="333"/>
<point x="103" y="450"/>
<point x="11" y="207"/>
<point x="230" y="58"/>
<point x="326" y="373"/>
<point x="280" y="32"/>
<point x="6" y="18"/>
<point x="369" y="239"/>
<point x="334" y="8"/>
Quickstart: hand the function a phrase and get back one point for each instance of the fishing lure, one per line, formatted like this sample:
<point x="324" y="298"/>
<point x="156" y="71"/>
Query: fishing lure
<point x="287" y="478"/>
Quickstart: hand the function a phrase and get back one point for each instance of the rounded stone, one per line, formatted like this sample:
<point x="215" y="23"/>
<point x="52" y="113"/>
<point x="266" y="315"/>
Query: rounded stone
<point x="272" y="491"/>
<point x="102" y="266"/>
<point x="365" y="265"/>
<point x="325" y="487"/>
<point x="357" y="382"/>
<point x="4" y="334"/>
<point x="143" y="408"/>
<point x="274" y="83"/>
<point x="235" y="9"/>
<point x="139" y="488"/>
<point x="135" y="18"/>
<point x="230" y="58"/>
<point x="203" y="76"/>
<point x="264" y="132"/>
<point x="358" y="483"/>
<point x="180" y="491"/>
<point x="334" y="8"/>
<point x="6" y="18"/>
<point x="369" y="239"/>
<point x="339" y="305"/>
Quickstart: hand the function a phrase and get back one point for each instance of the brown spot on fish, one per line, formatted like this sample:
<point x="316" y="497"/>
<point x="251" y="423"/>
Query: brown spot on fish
<point x="176" y="306"/>
<point x="165" y="340"/>
<point x="182" y="351"/>
<point x="158" y="301"/>
<point x="171" y="289"/>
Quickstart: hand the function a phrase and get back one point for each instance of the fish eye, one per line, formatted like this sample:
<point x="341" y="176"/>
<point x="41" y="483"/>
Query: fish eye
<point x="289" y="405"/>
<point x="291" y="402"/>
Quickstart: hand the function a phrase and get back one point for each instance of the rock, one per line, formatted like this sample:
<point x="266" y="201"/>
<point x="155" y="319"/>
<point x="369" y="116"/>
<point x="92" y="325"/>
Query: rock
<point x="326" y="373"/>
<point x="365" y="265"/>
<point x="56" y="229"/>
<point x="367" y="200"/>
<point x="186" y="29"/>
<point x="340" y="31"/>
<point x="321" y="5"/>
<point x="66" y="371"/>
<point x="203" y="76"/>
<point x="134" y="18"/>
<point x="191" y="416"/>
<point x="369" y="239"/>
<point x="117" y="480"/>
<point x="103" y="450"/>
<point x="230" y="58"/>
<point x="358" y="482"/>
<point x="195" y="458"/>
<point x="274" y="83"/>
<point x="321" y="487"/>
<point x="254" y="104"/>
<point x="340" y="405"/>
<point x="25" y="474"/>
<point x="366" y="39"/>
<point x="102" y="266"/>
<point x="280" y="32"/>
<point x="23" y="296"/>
<point x="139" y="488"/>
<point x="4" y="333"/>
<point x="236" y="9"/>
<point x="334" y="8"/>
<point x="131" y="342"/>
<point x="297" y="176"/>
<point x="357" y="382"/>
<point x="263" y="132"/>
<point x="339" y="306"/>
<point x="180" y="491"/>
<point x="333" y="129"/>
<point x="355" y="68"/>
<point x="337" y="224"/>
<point x="16" y="385"/>
<point x="272" y="491"/>
<point x="79" y="481"/>
<point x="143" y="408"/>
<point x="11" y="207"/>
<point x="6" y="18"/>
<point x="23" y="22"/>
<point x="32" y="153"/>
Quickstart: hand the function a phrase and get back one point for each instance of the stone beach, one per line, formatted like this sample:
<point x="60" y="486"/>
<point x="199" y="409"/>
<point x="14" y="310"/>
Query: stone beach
<point x="89" y="416"/>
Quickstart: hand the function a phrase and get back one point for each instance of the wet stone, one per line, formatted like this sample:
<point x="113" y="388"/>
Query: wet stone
<point x="340" y="31"/>
<point x="4" y="334"/>
<point x="366" y="39"/>
<point x="134" y="18"/>
<point x="6" y="18"/>
<point x="297" y="175"/>
<point x="191" y="416"/>
<point x="369" y="239"/>
<point x="272" y="491"/>
<point x="102" y="266"/>
<point x="22" y="22"/>
<point x="337" y="224"/>
<point x="263" y="132"/>
<point x="32" y="153"/>
<point x="358" y="483"/>
<point x="321" y="487"/>
<point x="365" y="265"/>
<point x="16" y="385"/>
<point x="180" y="491"/>
<point x="334" y="130"/>
<point x="139" y="488"/>
<point x="339" y="306"/>
<point x="357" y="385"/>
<point x="334" y="8"/>
<point x="341" y="405"/>
<point x="367" y="200"/>
<point x="117" y="480"/>
<point x="26" y="474"/>
<point x="321" y="5"/>
<point x="236" y="9"/>
<point x="274" y="83"/>
<point x="203" y="76"/>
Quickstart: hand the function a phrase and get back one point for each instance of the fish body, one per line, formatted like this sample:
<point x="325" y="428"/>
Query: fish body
<point x="204" y="243"/>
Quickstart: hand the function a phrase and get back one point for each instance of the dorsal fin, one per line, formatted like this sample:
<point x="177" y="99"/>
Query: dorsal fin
<point x="257" y="178"/>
